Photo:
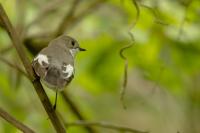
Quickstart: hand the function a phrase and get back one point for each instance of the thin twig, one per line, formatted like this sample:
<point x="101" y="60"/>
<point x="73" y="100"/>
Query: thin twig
<point x="19" y="125"/>
<point x="137" y="13"/>
<point x="38" y="3"/>
<point x="181" y="30"/>
<point x="123" y="91"/>
<point x="72" y="105"/>
<point x="65" y="22"/>
<point x="103" y="125"/>
<point x="13" y="66"/>
<point x="6" y="49"/>
<point x="45" y="11"/>
<point x="20" y="8"/>
<point x="76" y="111"/>
<point x="36" y="83"/>
<point x="153" y="11"/>
<point x="73" y="20"/>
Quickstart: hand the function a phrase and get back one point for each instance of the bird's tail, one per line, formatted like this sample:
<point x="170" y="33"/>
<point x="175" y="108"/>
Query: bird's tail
<point x="52" y="76"/>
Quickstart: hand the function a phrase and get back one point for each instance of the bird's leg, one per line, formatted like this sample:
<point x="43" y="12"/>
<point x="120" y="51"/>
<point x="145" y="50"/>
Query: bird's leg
<point x="54" y="106"/>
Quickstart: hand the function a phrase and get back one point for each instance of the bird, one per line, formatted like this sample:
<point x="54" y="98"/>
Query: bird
<point x="54" y="64"/>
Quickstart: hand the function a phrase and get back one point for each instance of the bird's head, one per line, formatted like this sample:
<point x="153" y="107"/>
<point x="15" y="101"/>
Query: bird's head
<point x="71" y="44"/>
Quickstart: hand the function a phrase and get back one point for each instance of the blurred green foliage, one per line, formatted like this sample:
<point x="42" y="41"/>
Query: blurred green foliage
<point x="163" y="75"/>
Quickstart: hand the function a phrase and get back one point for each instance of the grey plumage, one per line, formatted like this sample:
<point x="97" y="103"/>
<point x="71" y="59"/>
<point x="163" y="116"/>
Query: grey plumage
<point x="55" y="63"/>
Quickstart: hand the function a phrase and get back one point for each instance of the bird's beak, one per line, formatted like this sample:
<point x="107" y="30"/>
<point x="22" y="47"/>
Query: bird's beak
<point x="81" y="49"/>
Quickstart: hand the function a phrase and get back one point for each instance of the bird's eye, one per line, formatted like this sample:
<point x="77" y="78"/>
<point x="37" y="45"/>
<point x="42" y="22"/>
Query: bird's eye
<point x="73" y="43"/>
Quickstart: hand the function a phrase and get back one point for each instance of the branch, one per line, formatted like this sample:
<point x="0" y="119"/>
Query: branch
<point x="45" y="11"/>
<point x="13" y="66"/>
<point x="121" y="53"/>
<point x="137" y="13"/>
<point x="153" y="11"/>
<point x="125" y="78"/>
<point x="76" y="111"/>
<point x="71" y="20"/>
<point x="103" y="125"/>
<point x="21" y="8"/>
<point x="36" y="83"/>
<point x="6" y="49"/>
<point x="65" y="22"/>
<point x="37" y="3"/>
<point x="181" y="30"/>
<point x="15" y="122"/>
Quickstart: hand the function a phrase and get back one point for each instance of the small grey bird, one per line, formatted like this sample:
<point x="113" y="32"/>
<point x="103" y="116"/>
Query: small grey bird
<point x="54" y="64"/>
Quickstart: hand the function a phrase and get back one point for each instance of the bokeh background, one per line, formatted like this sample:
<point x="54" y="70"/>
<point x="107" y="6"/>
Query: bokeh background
<point x="162" y="94"/>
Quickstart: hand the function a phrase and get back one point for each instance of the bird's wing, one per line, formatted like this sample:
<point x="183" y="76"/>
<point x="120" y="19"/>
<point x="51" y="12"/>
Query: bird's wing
<point x="41" y="64"/>
<point x="67" y="70"/>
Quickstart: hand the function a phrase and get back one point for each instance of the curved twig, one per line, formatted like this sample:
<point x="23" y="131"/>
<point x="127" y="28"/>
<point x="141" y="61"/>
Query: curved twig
<point x="121" y="52"/>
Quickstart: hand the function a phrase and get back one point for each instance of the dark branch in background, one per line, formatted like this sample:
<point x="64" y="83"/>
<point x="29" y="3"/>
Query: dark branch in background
<point x="45" y="11"/>
<point x="19" y="27"/>
<point x="37" y="42"/>
<point x="36" y="83"/>
<point x="76" y="111"/>
<point x="104" y="125"/>
<point x="13" y="66"/>
<point x="156" y="17"/>
<point x="70" y="20"/>
<point x="122" y="93"/>
<point x="121" y="52"/>
<point x="62" y="26"/>
<point x="21" y="8"/>
<point x="180" y="32"/>
<point x="19" y="125"/>
<point x="38" y="3"/>
<point x="6" y="49"/>
<point x="71" y="105"/>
